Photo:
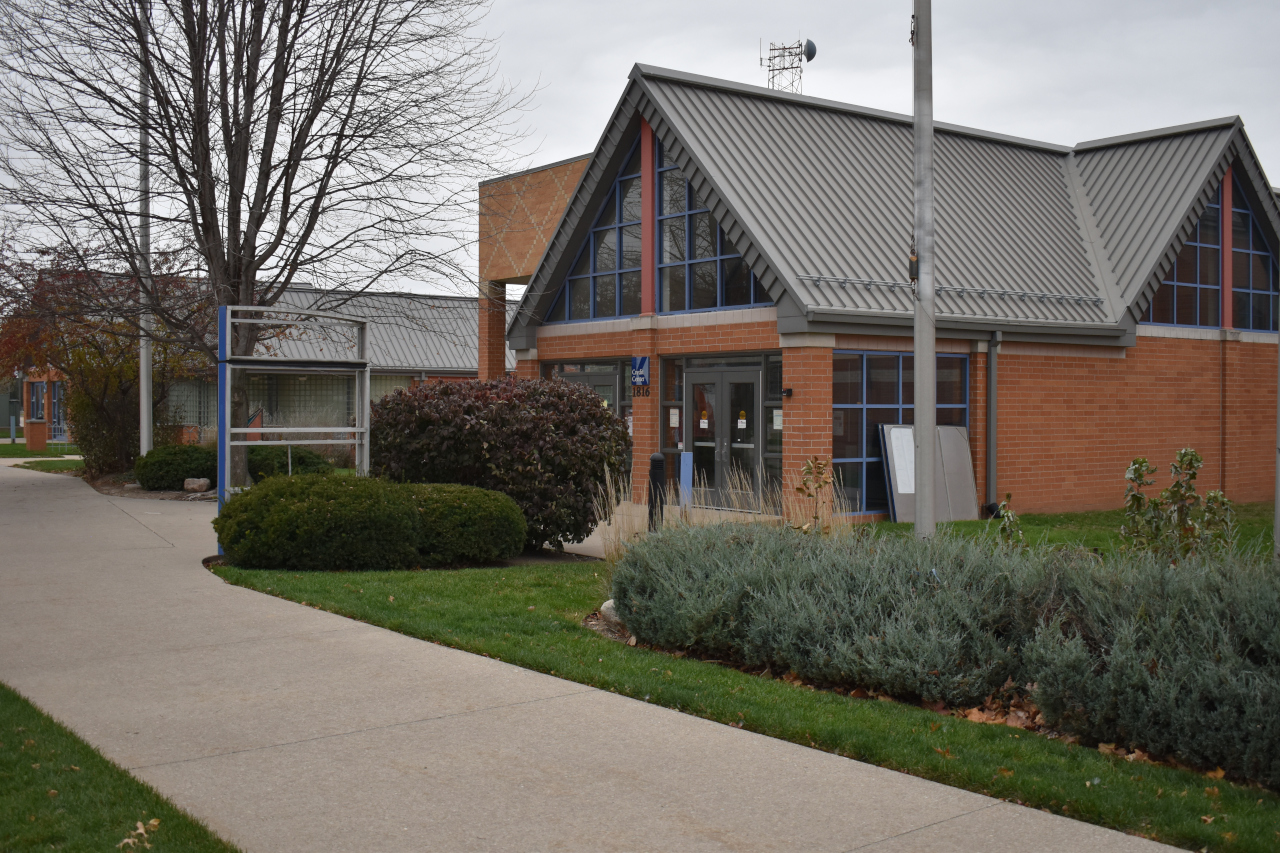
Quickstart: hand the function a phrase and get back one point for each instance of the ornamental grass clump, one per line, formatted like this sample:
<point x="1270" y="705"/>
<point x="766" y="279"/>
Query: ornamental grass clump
<point x="1178" y="658"/>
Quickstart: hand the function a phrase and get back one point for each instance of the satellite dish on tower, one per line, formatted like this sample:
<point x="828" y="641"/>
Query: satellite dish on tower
<point x="786" y="63"/>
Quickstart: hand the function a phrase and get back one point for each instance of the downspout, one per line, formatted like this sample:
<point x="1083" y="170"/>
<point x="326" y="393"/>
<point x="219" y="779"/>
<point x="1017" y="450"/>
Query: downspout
<point x="993" y="349"/>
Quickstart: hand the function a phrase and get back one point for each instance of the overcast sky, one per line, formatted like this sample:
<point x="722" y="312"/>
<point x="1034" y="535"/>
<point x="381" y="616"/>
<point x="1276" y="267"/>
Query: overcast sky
<point x="1058" y="72"/>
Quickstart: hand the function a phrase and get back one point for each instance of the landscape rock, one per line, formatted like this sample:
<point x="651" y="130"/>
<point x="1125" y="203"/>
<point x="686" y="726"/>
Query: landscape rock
<point x="195" y="484"/>
<point x="609" y="615"/>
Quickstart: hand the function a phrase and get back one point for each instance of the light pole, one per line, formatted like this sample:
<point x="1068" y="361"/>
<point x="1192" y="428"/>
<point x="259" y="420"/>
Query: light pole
<point x="144" y="237"/>
<point x="925" y="347"/>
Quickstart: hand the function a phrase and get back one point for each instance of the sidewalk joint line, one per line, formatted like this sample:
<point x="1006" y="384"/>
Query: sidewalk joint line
<point x="889" y="838"/>
<point x="362" y="731"/>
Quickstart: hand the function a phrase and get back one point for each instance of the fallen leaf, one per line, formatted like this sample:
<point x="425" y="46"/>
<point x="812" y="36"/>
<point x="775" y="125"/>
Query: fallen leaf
<point x="53" y="793"/>
<point x="938" y="707"/>
<point x="1230" y="837"/>
<point x="944" y="753"/>
<point x="631" y="641"/>
<point x="35" y="766"/>
<point x="1004" y="771"/>
<point x="1139" y="756"/>
<point x="1211" y="792"/>
<point x="393" y="598"/>
<point x="859" y="693"/>
<point x="73" y="767"/>
<point x="1216" y="774"/>
<point x="1018" y="720"/>
<point x="1206" y="818"/>
<point x="1111" y="749"/>
<point x="531" y="606"/>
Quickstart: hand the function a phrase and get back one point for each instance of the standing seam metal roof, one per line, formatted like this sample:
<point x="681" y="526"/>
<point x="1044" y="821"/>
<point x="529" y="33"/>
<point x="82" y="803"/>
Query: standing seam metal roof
<point x="808" y="190"/>
<point x="407" y="331"/>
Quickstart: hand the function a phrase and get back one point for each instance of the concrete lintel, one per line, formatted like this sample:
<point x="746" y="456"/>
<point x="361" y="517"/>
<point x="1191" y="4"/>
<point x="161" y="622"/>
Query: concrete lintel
<point x="807" y="339"/>
<point x="1189" y="334"/>
<point x="527" y="354"/>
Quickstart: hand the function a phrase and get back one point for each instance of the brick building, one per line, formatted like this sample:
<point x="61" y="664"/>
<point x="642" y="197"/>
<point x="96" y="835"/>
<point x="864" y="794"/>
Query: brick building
<point x="1119" y="296"/>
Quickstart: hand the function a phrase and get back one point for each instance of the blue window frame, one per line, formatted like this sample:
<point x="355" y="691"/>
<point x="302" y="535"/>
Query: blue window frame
<point x="1191" y="292"/>
<point x="36" y="409"/>
<point x="604" y="280"/>
<point x="698" y="269"/>
<point x="874" y="388"/>
<point x="1254" y="282"/>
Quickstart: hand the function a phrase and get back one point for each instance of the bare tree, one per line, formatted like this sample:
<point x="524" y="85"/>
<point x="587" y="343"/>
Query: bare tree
<point x="336" y="142"/>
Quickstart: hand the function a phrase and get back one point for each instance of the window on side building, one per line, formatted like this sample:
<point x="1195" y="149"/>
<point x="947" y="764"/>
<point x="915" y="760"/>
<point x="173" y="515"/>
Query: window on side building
<point x="698" y="268"/>
<point x="870" y="389"/>
<point x="1254" y="282"/>
<point x="604" y="280"/>
<point x="1190" y="293"/>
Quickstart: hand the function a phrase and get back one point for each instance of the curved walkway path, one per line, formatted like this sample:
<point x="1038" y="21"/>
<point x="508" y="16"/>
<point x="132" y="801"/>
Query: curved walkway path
<point x="288" y="729"/>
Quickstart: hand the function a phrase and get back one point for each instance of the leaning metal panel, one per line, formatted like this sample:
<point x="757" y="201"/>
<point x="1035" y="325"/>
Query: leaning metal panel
<point x="304" y="376"/>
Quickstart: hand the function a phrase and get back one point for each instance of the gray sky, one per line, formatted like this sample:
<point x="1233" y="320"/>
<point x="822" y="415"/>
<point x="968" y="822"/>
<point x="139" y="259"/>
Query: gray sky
<point x="1058" y="72"/>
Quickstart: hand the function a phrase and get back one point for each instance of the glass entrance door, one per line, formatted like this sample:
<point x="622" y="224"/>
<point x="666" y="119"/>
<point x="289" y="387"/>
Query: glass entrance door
<point x="723" y="432"/>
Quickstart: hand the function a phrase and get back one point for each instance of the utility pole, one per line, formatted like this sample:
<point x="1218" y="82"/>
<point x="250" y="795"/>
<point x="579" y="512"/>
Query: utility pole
<point x="926" y="391"/>
<point x="144" y="235"/>
<point x="1275" y="530"/>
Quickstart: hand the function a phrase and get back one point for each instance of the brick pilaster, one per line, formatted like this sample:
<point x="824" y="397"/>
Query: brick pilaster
<point x="493" y="330"/>
<point x="806" y="414"/>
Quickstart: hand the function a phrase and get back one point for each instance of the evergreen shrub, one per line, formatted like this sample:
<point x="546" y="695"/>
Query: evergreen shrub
<point x="1181" y="659"/>
<point x="314" y="522"/>
<point x="165" y="468"/>
<point x="546" y="444"/>
<point x="273" y="460"/>
<point x="466" y="524"/>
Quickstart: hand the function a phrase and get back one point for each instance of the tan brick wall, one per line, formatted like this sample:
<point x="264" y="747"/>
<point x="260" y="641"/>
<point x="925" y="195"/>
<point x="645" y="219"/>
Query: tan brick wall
<point x="518" y="217"/>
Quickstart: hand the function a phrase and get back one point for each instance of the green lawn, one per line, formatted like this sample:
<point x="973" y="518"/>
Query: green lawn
<point x="531" y="616"/>
<point x="59" y="793"/>
<point x="1101" y="529"/>
<point x="4" y="432"/>
<point x="19" y="451"/>
<point x="53" y="466"/>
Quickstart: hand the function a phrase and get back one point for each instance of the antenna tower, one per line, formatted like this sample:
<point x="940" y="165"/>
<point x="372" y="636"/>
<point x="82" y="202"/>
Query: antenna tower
<point x="786" y="63"/>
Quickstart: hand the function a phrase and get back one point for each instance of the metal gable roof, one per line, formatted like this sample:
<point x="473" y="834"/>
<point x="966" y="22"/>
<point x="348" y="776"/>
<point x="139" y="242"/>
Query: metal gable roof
<point x="408" y="331"/>
<point x="817" y="196"/>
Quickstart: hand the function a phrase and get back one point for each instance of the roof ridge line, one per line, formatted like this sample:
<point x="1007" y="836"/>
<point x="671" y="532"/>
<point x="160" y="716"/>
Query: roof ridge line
<point x="1172" y="130"/>
<point x="642" y="70"/>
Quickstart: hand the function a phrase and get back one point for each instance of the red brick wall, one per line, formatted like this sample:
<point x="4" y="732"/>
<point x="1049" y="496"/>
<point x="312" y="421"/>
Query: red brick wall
<point x="806" y="414"/>
<point x="1070" y="424"/>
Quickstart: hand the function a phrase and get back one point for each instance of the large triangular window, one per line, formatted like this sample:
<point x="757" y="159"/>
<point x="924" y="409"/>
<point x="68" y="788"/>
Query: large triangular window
<point x="1254" y="282"/>
<point x="1191" y="292"/>
<point x="605" y="278"/>
<point x="698" y="268"/>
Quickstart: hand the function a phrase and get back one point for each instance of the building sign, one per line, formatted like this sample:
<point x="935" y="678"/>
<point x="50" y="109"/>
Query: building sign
<point x="639" y="370"/>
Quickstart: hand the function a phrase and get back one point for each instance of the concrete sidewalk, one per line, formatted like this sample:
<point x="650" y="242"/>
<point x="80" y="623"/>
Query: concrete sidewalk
<point x="285" y="728"/>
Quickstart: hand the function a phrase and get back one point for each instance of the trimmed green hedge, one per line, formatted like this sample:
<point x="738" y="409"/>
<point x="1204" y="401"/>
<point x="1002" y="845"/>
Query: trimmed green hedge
<point x="273" y="460"/>
<point x="165" y="468"/>
<point x="465" y="524"/>
<point x="1180" y="660"/>
<point x="314" y="522"/>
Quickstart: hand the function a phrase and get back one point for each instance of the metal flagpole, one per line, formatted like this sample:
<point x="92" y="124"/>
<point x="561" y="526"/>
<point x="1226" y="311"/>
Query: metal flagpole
<point x="926" y="414"/>
<point x="144" y="237"/>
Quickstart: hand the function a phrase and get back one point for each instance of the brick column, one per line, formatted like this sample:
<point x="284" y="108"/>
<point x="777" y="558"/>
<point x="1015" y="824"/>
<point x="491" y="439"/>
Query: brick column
<point x="646" y="436"/>
<point x="527" y="364"/>
<point x="648" y="221"/>
<point x="806" y="414"/>
<point x="493" y="330"/>
<point x="1224" y="229"/>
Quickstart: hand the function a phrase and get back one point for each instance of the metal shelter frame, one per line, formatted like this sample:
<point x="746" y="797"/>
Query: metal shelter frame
<point x="229" y="435"/>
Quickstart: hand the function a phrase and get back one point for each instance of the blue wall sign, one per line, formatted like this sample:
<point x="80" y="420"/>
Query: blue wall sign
<point x="639" y="370"/>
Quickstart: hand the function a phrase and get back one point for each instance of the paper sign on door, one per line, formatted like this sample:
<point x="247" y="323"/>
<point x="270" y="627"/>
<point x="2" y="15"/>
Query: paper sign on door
<point x="673" y="417"/>
<point x="702" y="422"/>
<point x="777" y="418"/>
<point x="742" y="420"/>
